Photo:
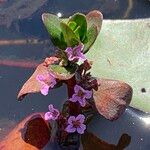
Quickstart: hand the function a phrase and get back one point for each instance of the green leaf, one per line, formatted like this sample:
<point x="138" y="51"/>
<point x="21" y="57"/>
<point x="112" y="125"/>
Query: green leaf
<point x="72" y="25"/>
<point x="52" y="24"/>
<point x="91" y="37"/>
<point x="69" y="36"/>
<point x="62" y="73"/>
<point x="81" y="24"/>
<point x="122" y="52"/>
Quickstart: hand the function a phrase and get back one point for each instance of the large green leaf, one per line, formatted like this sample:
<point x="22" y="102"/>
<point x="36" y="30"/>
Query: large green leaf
<point x="52" y="24"/>
<point x="122" y="52"/>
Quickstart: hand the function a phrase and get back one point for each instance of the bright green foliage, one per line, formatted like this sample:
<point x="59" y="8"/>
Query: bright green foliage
<point x="81" y="25"/>
<point x="78" y="29"/>
<point x="69" y="36"/>
<point x="52" y="24"/>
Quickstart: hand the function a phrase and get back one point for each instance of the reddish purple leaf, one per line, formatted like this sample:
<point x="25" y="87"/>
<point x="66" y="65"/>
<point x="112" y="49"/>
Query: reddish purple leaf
<point x="112" y="97"/>
<point x="33" y="133"/>
<point x="95" y="18"/>
<point x="32" y="85"/>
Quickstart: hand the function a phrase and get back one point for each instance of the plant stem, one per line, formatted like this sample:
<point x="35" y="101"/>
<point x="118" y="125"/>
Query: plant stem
<point x="74" y="108"/>
<point x="66" y="140"/>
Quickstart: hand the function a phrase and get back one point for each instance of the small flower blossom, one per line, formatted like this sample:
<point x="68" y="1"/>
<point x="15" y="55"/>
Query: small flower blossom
<point x="76" y="124"/>
<point x="52" y="114"/>
<point x="75" y="54"/>
<point x="47" y="81"/>
<point x="81" y="95"/>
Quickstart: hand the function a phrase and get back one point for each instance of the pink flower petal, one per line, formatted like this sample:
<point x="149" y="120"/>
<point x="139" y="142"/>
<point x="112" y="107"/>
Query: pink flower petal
<point x="75" y="98"/>
<point x="55" y="114"/>
<point x="45" y="89"/>
<point x="81" y="56"/>
<point x="77" y="88"/>
<point x="51" y="107"/>
<point x="81" y="118"/>
<point x="79" y="47"/>
<point x="40" y="78"/>
<point x="88" y="94"/>
<point x="68" y="50"/>
<point x="75" y="54"/>
<point x="71" y="118"/>
<point x="48" y="116"/>
<point x="82" y="102"/>
<point x="81" y="129"/>
<point x="70" y="129"/>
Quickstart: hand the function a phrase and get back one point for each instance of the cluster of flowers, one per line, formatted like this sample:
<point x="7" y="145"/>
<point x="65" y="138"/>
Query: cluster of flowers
<point x="80" y="96"/>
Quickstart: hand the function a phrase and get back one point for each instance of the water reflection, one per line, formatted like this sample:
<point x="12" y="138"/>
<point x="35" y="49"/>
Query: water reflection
<point x="144" y="118"/>
<point x="59" y="14"/>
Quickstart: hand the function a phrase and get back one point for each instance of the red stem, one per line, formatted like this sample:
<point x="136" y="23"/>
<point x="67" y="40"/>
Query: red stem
<point x="74" y="108"/>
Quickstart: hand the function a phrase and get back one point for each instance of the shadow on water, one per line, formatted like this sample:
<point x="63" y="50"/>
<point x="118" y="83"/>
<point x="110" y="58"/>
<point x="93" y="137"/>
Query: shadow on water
<point x="27" y="24"/>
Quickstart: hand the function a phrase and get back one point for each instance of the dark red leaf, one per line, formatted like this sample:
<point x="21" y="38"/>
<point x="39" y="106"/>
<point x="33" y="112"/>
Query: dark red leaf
<point x="33" y="133"/>
<point x="112" y="97"/>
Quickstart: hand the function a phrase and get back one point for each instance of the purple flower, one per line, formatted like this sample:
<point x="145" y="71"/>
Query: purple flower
<point x="75" y="54"/>
<point x="52" y="114"/>
<point x="80" y="95"/>
<point x="76" y="124"/>
<point x="47" y="81"/>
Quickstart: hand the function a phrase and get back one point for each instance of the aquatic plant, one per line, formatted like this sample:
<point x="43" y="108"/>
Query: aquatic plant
<point x="87" y="95"/>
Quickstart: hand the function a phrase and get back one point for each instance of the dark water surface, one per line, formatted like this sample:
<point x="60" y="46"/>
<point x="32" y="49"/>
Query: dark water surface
<point x="18" y="21"/>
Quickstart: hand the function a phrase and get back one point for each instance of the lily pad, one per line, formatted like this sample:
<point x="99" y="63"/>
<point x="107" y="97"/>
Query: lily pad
<point x="122" y="52"/>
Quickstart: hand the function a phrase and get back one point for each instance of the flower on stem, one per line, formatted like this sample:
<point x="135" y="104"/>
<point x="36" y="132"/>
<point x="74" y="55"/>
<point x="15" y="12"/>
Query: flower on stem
<point x="47" y="81"/>
<point x="75" y="54"/>
<point x="76" y="124"/>
<point x="80" y="95"/>
<point x="52" y="114"/>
